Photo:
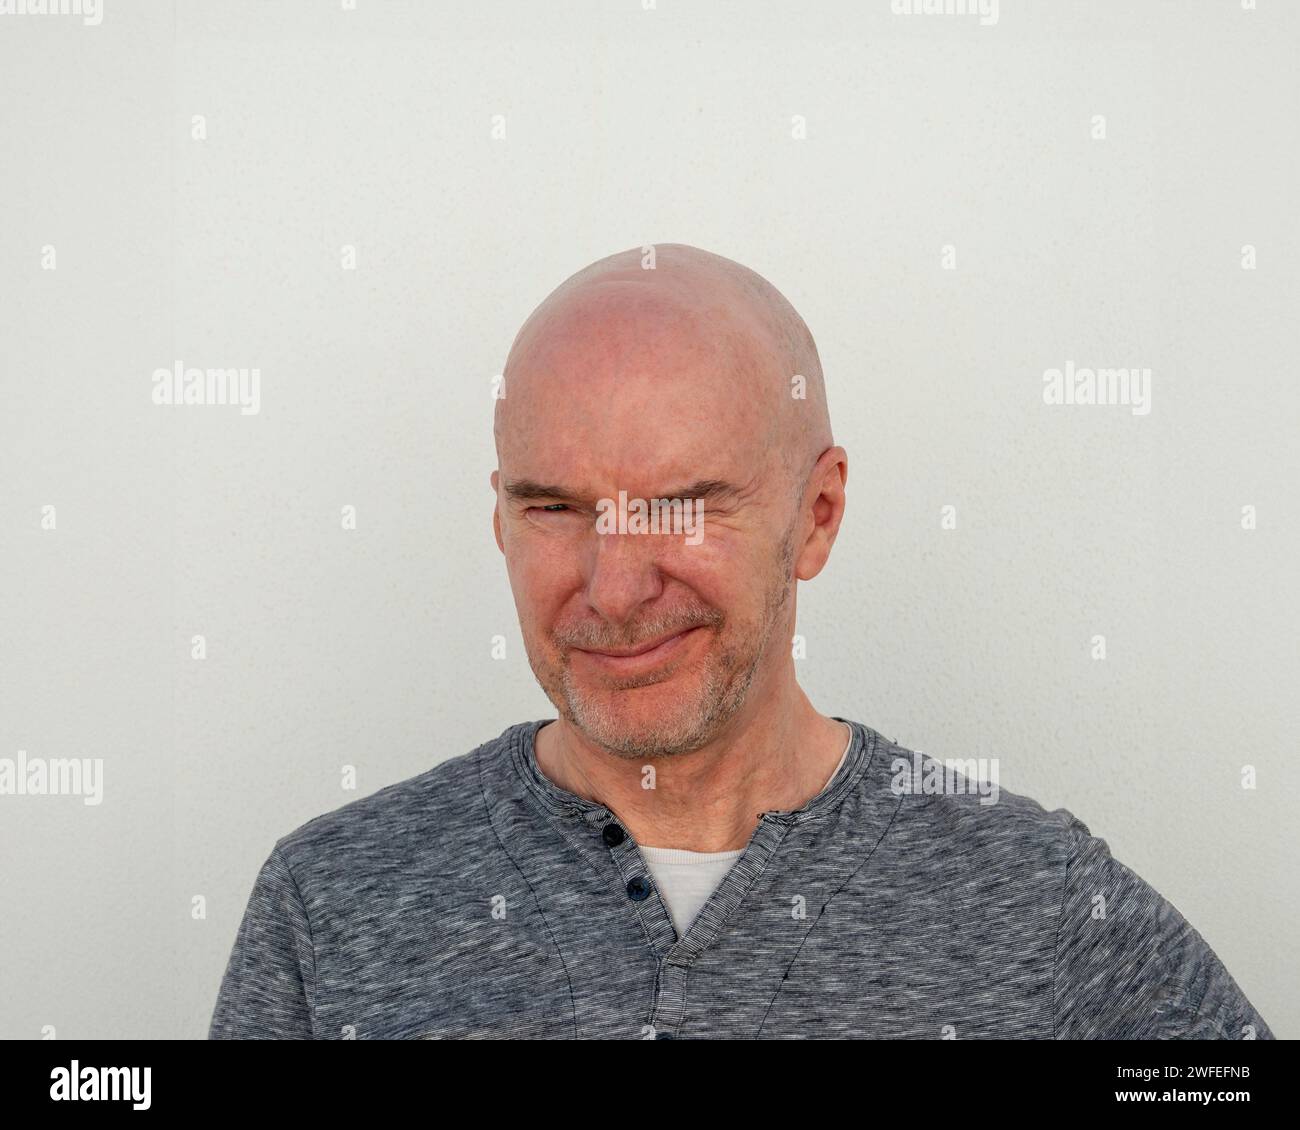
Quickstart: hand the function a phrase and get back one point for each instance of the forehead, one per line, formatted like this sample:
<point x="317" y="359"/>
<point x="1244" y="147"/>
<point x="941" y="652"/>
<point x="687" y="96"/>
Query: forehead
<point x="636" y="432"/>
<point x="629" y="381"/>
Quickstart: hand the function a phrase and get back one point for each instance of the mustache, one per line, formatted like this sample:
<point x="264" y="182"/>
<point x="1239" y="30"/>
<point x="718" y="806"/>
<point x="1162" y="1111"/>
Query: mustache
<point x="598" y="636"/>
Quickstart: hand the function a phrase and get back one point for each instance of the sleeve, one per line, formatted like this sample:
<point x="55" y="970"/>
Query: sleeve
<point x="269" y="983"/>
<point x="1128" y="966"/>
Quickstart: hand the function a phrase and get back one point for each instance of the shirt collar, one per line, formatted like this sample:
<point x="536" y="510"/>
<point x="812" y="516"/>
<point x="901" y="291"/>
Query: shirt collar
<point x="523" y="757"/>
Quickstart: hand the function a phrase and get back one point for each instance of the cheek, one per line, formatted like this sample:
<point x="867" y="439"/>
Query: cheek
<point x="718" y="571"/>
<point x="542" y="578"/>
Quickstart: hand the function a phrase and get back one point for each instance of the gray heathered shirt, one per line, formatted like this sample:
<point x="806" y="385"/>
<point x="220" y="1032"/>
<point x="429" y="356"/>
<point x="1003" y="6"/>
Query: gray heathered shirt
<point x="479" y="899"/>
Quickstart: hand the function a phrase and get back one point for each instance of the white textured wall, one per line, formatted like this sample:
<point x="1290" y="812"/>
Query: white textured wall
<point x="370" y="648"/>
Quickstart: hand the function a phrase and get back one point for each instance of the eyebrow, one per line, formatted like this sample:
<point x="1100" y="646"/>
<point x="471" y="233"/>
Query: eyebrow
<point x="530" y="489"/>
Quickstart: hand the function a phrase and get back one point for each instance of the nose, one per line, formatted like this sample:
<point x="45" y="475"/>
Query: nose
<point x="624" y="575"/>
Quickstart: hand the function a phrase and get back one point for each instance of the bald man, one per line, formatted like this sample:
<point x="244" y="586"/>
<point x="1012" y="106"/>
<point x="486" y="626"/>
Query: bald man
<point x="690" y="849"/>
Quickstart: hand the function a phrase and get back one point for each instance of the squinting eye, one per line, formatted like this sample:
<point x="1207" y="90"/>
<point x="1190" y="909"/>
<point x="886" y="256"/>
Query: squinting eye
<point x="552" y="507"/>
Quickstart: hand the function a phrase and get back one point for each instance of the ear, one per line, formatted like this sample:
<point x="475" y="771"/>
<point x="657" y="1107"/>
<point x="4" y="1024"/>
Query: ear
<point x="823" y="504"/>
<point x="496" y="512"/>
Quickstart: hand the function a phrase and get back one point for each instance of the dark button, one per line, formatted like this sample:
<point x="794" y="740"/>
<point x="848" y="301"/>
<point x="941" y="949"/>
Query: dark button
<point x="613" y="835"/>
<point x="638" y="889"/>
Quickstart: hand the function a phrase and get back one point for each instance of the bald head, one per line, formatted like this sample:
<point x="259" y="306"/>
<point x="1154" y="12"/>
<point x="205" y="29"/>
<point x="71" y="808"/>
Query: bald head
<point x="645" y="311"/>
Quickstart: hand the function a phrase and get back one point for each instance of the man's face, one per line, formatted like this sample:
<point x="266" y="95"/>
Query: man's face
<point x="630" y="400"/>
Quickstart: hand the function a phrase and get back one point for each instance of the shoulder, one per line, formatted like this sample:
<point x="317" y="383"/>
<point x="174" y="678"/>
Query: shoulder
<point x="960" y="803"/>
<point x="425" y="822"/>
<point x="1126" y="964"/>
<point x="957" y="810"/>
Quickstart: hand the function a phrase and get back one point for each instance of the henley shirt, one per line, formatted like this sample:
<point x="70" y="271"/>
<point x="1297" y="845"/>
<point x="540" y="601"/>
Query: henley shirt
<point x="481" y="900"/>
<point x="685" y="879"/>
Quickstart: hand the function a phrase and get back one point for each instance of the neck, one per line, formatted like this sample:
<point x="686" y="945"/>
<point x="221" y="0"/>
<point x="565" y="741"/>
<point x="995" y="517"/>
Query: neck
<point x="776" y="754"/>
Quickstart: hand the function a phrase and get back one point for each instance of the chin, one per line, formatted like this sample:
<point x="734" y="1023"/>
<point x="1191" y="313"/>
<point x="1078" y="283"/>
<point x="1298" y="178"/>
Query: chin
<point x="641" y="720"/>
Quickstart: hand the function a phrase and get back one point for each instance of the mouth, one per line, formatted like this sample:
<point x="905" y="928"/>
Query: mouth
<point x="642" y="657"/>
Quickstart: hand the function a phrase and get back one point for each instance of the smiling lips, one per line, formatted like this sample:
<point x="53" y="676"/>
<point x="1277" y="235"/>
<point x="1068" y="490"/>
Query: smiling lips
<point x="641" y="657"/>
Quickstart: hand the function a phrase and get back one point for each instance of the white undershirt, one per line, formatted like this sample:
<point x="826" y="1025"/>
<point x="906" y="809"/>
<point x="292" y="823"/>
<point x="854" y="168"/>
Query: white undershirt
<point x="687" y="879"/>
